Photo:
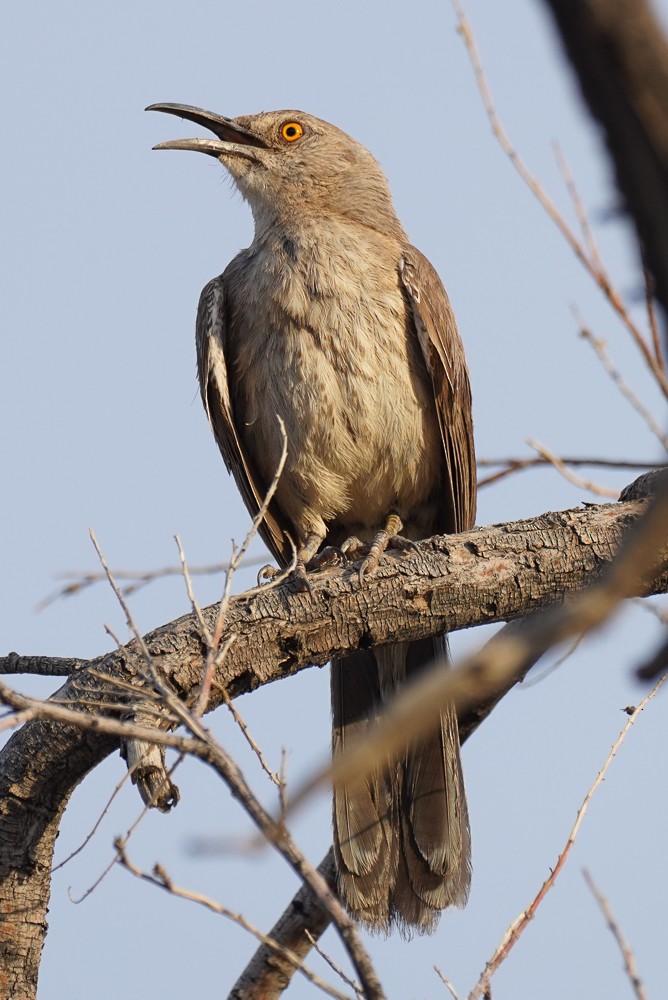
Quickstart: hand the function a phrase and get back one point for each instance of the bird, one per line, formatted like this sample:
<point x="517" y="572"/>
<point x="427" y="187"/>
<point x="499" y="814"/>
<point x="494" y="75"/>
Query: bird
<point x="333" y="322"/>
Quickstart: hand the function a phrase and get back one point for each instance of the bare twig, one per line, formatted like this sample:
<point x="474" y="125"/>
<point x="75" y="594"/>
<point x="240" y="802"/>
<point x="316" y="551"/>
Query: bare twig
<point x="160" y="878"/>
<point x="13" y="719"/>
<point x="355" y="987"/>
<point x="563" y="470"/>
<point x="266" y="977"/>
<point x="520" y="924"/>
<point x="602" y="354"/>
<point x="209" y="750"/>
<point x="89" y="836"/>
<point x="275" y="778"/>
<point x="652" y="320"/>
<point x="540" y="676"/>
<point x="278" y="835"/>
<point x="624" y="947"/>
<point x="592" y="266"/>
<point x="446" y="982"/>
<point x="216" y="654"/>
<point x="78" y="581"/>
<point x="593" y="254"/>
<point x="513" y="465"/>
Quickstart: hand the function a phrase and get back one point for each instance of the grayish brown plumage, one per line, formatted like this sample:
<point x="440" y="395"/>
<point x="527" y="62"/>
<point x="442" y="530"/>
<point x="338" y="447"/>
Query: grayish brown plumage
<point x="334" y="322"/>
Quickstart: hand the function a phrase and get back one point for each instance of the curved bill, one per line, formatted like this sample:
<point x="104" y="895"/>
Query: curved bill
<point x="229" y="133"/>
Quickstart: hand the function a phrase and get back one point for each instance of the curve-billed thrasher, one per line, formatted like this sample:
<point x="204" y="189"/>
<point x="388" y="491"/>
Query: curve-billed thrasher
<point x="334" y="322"/>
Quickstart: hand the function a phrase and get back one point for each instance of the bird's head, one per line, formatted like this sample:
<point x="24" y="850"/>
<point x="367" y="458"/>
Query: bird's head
<point x="287" y="163"/>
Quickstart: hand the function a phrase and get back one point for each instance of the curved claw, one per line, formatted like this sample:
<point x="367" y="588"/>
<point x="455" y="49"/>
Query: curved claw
<point x="299" y="579"/>
<point x="352" y="546"/>
<point x="266" y="574"/>
<point x="402" y="544"/>
<point x="329" y="556"/>
<point x="387" y="537"/>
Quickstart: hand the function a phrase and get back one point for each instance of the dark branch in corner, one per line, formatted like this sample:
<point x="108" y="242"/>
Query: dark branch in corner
<point x="620" y="57"/>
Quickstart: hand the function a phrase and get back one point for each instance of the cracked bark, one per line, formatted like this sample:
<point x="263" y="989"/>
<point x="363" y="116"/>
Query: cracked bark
<point x="490" y="574"/>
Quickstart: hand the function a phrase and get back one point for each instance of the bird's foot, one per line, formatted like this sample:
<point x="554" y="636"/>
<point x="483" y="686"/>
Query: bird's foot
<point x="331" y="555"/>
<point x="387" y="538"/>
<point x="266" y="574"/>
<point x="298" y="578"/>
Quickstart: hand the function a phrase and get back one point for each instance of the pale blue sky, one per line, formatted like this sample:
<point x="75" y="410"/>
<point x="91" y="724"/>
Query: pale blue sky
<point x="106" y="248"/>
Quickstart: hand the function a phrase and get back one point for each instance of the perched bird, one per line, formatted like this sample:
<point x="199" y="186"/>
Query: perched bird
<point x="333" y="322"/>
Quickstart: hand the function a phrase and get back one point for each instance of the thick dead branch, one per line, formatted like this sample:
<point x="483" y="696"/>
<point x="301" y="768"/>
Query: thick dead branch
<point x="486" y="575"/>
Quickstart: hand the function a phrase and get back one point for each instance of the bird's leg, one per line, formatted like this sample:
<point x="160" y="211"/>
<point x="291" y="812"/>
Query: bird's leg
<point x="331" y="555"/>
<point x="308" y="558"/>
<point x="305" y="559"/>
<point x="387" y="537"/>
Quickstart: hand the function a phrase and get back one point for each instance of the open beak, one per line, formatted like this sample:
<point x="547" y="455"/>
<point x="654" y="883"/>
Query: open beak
<point x="230" y="135"/>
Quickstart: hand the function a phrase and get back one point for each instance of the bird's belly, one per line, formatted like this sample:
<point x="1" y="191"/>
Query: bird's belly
<point x="361" y="425"/>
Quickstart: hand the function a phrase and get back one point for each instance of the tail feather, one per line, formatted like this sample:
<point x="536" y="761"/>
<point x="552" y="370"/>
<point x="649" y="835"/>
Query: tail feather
<point x="401" y="838"/>
<point x="363" y="843"/>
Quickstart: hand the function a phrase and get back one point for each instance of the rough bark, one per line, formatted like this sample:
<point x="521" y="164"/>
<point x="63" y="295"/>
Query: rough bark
<point x="489" y="574"/>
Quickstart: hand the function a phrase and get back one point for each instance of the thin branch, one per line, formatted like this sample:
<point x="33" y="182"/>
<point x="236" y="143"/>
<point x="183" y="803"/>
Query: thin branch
<point x="602" y="354"/>
<point x="593" y="254"/>
<point x="277" y="835"/>
<point x="160" y="879"/>
<point x="275" y="778"/>
<point x="211" y="752"/>
<point x="652" y="320"/>
<point x="571" y="477"/>
<point x="78" y="581"/>
<point x="513" y="465"/>
<point x="266" y="977"/>
<point x="89" y="836"/>
<point x="39" y="709"/>
<point x="512" y="935"/>
<point x="540" y="676"/>
<point x="446" y="982"/>
<point x="629" y="959"/>
<point x="355" y="987"/>
<point x="592" y="266"/>
<point x="13" y="719"/>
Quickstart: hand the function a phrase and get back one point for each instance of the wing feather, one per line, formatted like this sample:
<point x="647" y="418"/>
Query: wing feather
<point x="213" y="374"/>
<point x="443" y="354"/>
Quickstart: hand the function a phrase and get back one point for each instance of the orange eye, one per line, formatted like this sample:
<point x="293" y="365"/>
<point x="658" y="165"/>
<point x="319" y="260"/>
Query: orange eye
<point x="291" y="131"/>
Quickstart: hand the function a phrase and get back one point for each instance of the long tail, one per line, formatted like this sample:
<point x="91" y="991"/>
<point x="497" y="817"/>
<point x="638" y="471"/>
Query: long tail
<point x="401" y="837"/>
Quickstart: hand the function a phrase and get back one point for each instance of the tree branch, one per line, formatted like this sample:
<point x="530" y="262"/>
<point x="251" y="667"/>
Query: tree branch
<point x="489" y="574"/>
